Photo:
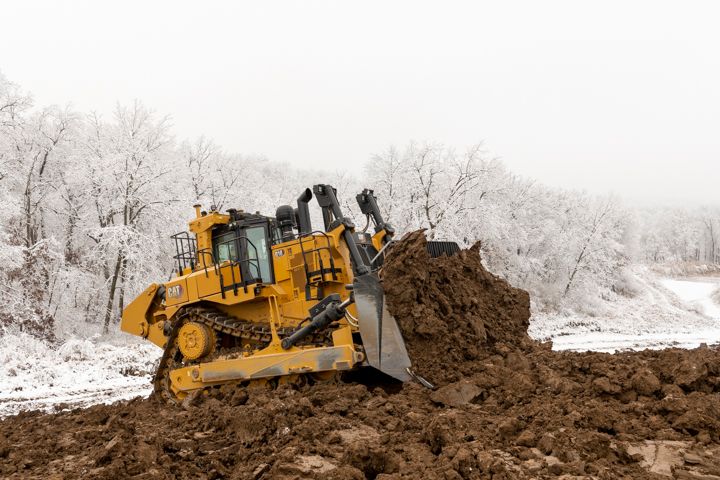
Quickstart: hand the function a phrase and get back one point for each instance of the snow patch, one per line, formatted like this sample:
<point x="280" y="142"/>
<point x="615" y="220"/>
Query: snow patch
<point x="698" y="292"/>
<point x="79" y="372"/>
<point x="663" y="313"/>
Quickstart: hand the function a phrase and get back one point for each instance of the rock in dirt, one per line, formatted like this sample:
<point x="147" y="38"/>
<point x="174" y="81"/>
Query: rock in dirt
<point x="456" y="394"/>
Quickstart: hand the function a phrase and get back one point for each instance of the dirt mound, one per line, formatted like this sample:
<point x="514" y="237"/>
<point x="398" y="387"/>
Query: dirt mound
<point x="515" y="410"/>
<point x="450" y="309"/>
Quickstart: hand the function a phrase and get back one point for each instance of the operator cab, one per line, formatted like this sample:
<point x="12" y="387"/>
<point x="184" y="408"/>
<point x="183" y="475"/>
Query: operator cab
<point x="246" y="240"/>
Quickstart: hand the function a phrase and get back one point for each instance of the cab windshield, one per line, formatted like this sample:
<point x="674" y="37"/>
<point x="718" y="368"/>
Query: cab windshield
<point x="249" y="246"/>
<point x="258" y="253"/>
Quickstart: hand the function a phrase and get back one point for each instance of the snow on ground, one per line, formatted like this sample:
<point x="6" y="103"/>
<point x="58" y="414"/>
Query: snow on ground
<point x="77" y="373"/>
<point x="698" y="292"/>
<point x="667" y="313"/>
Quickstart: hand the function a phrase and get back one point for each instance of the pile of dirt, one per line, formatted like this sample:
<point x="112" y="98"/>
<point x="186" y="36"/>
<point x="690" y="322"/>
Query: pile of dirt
<point x="514" y="410"/>
<point x="450" y="309"/>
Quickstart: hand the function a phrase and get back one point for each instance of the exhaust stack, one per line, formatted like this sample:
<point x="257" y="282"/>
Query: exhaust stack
<point x="303" y="212"/>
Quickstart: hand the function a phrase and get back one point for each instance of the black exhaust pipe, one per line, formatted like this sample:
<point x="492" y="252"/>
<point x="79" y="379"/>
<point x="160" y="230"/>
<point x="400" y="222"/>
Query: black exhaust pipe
<point x="303" y="212"/>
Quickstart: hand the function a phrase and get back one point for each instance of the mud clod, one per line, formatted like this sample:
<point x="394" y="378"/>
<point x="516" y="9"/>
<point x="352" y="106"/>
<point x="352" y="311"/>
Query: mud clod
<point x="456" y="394"/>
<point x="505" y="407"/>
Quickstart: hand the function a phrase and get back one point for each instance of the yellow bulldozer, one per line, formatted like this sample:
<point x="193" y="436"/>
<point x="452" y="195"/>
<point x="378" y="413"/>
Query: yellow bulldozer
<point x="260" y="299"/>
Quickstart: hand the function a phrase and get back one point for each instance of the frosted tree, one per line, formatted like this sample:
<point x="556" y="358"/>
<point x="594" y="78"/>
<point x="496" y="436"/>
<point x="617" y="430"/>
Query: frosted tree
<point x="386" y="172"/>
<point x="40" y="144"/>
<point x="214" y="176"/>
<point x="128" y="160"/>
<point x="429" y="186"/>
<point x="680" y="236"/>
<point x="711" y="226"/>
<point x="33" y="148"/>
<point x="598" y="232"/>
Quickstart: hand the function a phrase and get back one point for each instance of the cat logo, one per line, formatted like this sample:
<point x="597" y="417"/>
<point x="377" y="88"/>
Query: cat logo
<point x="175" y="291"/>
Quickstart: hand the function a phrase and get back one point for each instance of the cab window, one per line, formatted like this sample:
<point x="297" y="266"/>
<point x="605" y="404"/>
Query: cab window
<point x="258" y="253"/>
<point x="226" y="248"/>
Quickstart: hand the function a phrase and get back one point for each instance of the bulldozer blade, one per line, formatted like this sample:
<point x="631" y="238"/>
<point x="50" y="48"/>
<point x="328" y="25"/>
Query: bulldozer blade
<point x="384" y="345"/>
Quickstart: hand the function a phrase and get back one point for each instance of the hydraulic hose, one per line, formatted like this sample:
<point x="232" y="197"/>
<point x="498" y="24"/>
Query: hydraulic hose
<point x="334" y="311"/>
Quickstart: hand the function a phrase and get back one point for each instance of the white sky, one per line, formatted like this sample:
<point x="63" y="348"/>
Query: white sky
<point x="605" y="96"/>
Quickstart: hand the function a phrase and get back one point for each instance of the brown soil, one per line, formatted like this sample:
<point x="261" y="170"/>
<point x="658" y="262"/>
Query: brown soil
<point x="450" y="309"/>
<point x="505" y="407"/>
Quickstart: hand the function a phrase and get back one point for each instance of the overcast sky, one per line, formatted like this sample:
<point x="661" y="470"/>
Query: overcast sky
<point x="604" y="96"/>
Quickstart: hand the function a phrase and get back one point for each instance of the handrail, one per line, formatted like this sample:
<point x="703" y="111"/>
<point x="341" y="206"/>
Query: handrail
<point x="187" y="253"/>
<point x="185" y="248"/>
<point x="208" y="251"/>
<point x="247" y="262"/>
<point x="317" y="250"/>
<point x="238" y="249"/>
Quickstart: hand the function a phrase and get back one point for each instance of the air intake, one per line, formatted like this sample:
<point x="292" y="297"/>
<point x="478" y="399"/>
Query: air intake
<point x="438" y="249"/>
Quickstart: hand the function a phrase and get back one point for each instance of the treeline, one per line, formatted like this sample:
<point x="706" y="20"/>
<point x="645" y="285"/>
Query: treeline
<point x="88" y="204"/>
<point x="681" y="235"/>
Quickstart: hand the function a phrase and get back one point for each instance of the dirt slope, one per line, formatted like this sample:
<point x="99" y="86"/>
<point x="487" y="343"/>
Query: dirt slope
<point x="506" y="407"/>
<point x="451" y="310"/>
